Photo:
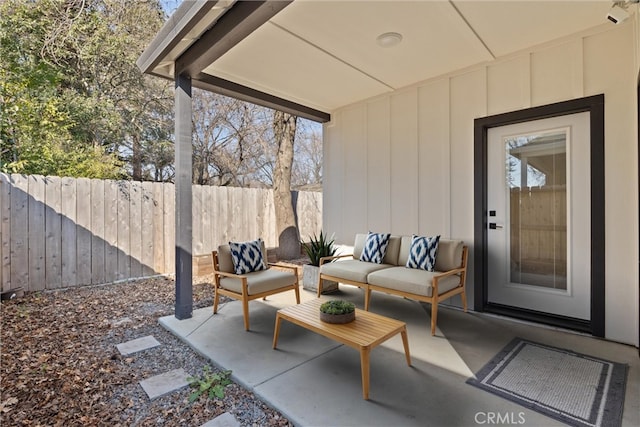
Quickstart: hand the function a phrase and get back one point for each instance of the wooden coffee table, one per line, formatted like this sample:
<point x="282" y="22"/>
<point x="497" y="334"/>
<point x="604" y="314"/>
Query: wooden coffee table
<point x="364" y="333"/>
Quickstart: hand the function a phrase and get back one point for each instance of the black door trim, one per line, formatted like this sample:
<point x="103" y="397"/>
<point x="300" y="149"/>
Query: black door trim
<point x="595" y="106"/>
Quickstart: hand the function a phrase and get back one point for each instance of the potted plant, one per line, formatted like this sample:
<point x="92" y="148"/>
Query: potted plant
<point x="337" y="311"/>
<point x="316" y="248"/>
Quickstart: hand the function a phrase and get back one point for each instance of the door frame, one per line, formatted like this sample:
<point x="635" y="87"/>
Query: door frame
<point x="595" y="106"/>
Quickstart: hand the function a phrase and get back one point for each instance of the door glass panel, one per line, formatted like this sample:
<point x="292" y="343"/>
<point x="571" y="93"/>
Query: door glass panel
<point x="537" y="192"/>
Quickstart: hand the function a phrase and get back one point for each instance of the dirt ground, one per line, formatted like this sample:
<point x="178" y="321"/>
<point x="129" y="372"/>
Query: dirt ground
<point x="60" y="366"/>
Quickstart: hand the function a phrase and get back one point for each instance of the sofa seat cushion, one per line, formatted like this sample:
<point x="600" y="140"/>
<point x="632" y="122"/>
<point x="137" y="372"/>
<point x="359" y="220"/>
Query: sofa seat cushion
<point x="411" y="280"/>
<point x="260" y="281"/>
<point x="352" y="269"/>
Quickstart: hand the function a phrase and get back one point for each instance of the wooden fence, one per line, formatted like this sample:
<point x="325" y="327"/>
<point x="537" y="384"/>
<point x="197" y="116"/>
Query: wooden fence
<point x="539" y="230"/>
<point x="64" y="232"/>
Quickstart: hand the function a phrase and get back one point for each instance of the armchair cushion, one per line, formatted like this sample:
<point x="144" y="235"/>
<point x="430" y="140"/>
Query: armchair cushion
<point x="247" y="256"/>
<point x="260" y="281"/>
<point x="375" y="247"/>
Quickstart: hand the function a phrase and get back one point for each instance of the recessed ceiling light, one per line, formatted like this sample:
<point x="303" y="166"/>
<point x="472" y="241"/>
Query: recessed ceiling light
<point x="389" y="39"/>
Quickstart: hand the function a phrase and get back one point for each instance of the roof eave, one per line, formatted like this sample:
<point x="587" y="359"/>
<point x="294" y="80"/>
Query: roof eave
<point x="179" y="24"/>
<point x="233" y="26"/>
<point x="244" y="93"/>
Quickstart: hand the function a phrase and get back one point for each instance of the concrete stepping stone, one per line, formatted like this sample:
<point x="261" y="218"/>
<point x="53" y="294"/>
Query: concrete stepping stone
<point x="222" y="420"/>
<point x="137" y="345"/>
<point x="162" y="384"/>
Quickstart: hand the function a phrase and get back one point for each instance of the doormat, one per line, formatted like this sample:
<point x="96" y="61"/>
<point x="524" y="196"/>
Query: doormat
<point x="570" y="387"/>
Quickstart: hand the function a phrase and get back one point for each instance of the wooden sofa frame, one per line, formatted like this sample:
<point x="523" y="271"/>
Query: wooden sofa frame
<point x="434" y="299"/>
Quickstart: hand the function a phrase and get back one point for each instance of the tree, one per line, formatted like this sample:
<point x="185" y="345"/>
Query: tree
<point x="307" y="160"/>
<point x="229" y="140"/>
<point x="71" y="92"/>
<point x="36" y="124"/>
<point x="284" y="129"/>
<point x="75" y="104"/>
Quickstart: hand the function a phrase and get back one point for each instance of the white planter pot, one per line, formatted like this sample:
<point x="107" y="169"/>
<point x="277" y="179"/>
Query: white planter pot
<point x="310" y="275"/>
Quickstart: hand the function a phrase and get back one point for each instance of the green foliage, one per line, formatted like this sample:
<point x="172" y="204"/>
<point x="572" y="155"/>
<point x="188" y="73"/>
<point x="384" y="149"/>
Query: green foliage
<point x="74" y="103"/>
<point x="210" y="384"/>
<point x="337" y="307"/>
<point x="73" y="100"/>
<point x="318" y="247"/>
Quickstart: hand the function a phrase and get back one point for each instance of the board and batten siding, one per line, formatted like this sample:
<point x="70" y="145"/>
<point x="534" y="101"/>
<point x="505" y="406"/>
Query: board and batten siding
<point x="65" y="232"/>
<point x="403" y="162"/>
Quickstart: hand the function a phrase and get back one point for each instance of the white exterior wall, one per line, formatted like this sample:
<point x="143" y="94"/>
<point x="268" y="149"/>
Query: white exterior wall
<point x="403" y="162"/>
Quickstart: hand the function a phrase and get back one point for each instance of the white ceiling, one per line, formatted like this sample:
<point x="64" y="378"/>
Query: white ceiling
<point x="323" y="53"/>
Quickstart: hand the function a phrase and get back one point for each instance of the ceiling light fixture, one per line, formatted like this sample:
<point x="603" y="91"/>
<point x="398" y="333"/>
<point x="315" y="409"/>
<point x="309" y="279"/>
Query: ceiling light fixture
<point x="389" y="39"/>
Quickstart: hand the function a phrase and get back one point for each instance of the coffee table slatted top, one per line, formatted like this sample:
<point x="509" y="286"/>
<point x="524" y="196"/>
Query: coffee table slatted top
<point x="367" y="330"/>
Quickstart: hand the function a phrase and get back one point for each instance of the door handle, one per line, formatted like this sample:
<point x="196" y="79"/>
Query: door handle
<point x="493" y="225"/>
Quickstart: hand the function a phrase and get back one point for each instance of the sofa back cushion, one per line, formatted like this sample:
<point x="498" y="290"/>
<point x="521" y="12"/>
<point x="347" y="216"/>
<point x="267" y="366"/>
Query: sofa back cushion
<point x="448" y="256"/>
<point x="358" y="245"/>
<point x="390" y="257"/>
<point x="405" y="248"/>
<point x="225" y="260"/>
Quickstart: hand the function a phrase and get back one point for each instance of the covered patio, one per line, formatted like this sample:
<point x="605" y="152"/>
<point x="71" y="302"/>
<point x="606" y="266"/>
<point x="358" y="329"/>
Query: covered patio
<point x="398" y="86"/>
<point x="315" y="381"/>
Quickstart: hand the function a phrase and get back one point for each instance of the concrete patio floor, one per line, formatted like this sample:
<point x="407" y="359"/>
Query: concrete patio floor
<point x="314" y="381"/>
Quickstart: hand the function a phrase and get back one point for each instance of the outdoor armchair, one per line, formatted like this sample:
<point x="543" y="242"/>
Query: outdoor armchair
<point x="274" y="278"/>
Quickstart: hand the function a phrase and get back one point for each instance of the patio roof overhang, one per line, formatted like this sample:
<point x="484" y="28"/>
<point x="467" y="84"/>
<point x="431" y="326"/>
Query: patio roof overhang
<point x="311" y="57"/>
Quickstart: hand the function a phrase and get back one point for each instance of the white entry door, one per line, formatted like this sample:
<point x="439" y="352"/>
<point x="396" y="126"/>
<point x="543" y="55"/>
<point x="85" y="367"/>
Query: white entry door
<point x="539" y="236"/>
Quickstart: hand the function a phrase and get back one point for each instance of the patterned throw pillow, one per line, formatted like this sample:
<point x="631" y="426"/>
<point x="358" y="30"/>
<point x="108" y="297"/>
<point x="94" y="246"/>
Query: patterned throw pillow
<point x="422" y="253"/>
<point x="375" y="247"/>
<point x="247" y="256"/>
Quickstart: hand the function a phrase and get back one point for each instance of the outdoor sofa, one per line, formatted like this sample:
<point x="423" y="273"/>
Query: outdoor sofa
<point x="392" y="276"/>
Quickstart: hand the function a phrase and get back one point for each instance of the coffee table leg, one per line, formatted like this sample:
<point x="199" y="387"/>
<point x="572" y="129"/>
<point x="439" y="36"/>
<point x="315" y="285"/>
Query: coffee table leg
<point x="405" y="342"/>
<point x="364" y="366"/>
<point x="276" y="331"/>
